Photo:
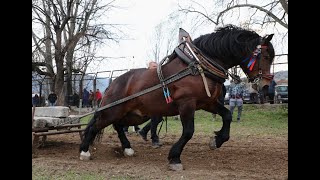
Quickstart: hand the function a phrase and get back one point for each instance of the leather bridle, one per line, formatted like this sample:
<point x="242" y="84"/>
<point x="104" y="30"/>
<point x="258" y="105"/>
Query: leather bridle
<point x="256" y="57"/>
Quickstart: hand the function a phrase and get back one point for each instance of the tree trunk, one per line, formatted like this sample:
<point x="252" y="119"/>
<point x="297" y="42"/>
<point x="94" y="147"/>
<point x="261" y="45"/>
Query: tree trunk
<point x="59" y="87"/>
<point x="59" y="80"/>
<point x="48" y="46"/>
<point x="69" y="57"/>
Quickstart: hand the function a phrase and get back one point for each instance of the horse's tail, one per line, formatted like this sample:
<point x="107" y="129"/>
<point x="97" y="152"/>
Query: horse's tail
<point x="98" y="138"/>
<point x="90" y="127"/>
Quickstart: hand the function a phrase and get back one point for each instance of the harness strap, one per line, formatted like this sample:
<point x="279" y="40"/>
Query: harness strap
<point x="204" y="80"/>
<point x="168" y="80"/>
<point x="182" y="55"/>
<point x="201" y="71"/>
<point x="188" y="53"/>
<point x="165" y="89"/>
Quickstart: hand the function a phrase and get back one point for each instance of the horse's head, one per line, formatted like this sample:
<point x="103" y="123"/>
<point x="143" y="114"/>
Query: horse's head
<point x="230" y="46"/>
<point x="259" y="64"/>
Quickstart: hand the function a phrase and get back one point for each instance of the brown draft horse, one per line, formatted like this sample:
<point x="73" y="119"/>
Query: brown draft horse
<point x="228" y="46"/>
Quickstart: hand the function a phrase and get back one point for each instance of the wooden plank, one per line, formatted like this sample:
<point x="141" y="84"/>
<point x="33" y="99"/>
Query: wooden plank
<point x="71" y="125"/>
<point x="57" y="127"/>
<point x="37" y="132"/>
<point x="35" y="144"/>
<point x="57" y="132"/>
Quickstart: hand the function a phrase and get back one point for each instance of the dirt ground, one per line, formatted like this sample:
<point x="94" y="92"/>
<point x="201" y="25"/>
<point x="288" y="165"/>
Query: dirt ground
<point x="239" y="158"/>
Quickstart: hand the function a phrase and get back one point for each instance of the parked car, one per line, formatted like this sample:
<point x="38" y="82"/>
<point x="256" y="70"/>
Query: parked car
<point x="281" y="93"/>
<point x="250" y="98"/>
<point x="246" y="97"/>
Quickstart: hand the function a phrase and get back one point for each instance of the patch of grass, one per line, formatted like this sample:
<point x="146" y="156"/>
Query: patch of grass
<point x="41" y="173"/>
<point x="86" y="119"/>
<point x="67" y="173"/>
<point x="255" y="120"/>
<point x="262" y="120"/>
<point x="258" y="121"/>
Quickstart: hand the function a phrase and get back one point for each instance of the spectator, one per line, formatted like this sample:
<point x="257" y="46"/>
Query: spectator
<point x="236" y="90"/>
<point x="91" y="98"/>
<point x="52" y="99"/>
<point x="36" y="100"/>
<point x="76" y="99"/>
<point x="271" y="91"/>
<point x="85" y="98"/>
<point x="98" y="97"/>
<point x="253" y="92"/>
<point x="152" y="65"/>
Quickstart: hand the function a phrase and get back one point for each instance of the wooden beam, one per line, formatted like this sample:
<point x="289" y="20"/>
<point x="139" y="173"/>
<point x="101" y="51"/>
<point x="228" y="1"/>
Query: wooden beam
<point x="57" y="132"/>
<point x="57" y="127"/>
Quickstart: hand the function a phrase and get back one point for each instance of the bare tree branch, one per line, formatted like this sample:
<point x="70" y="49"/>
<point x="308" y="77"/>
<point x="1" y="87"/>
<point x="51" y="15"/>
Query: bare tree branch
<point x="67" y="24"/>
<point x="284" y="4"/>
<point x="198" y="12"/>
<point x="253" y="6"/>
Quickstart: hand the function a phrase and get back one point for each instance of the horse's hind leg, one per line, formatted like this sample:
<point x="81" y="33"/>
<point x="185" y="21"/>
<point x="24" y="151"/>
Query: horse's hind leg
<point x="154" y="136"/>
<point x="127" y="150"/>
<point x="224" y="133"/>
<point x="187" y="120"/>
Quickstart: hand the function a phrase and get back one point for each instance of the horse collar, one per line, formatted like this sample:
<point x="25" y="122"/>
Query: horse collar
<point x="189" y="53"/>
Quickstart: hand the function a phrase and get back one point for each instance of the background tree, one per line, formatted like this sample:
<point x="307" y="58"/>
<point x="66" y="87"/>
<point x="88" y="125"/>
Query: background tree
<point x="164" y="39"/>
<point x="58" y="26"/>
<point x="269" y="16"/>
<point x="268" y="13"/>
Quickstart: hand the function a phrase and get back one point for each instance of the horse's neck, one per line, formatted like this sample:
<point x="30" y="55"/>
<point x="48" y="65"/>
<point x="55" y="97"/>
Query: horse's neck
<point x="229" y="63"/>
<point x="226" y="63"/>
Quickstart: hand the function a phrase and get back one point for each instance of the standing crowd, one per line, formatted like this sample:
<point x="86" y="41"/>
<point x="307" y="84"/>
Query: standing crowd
<point x="89" y="99"/>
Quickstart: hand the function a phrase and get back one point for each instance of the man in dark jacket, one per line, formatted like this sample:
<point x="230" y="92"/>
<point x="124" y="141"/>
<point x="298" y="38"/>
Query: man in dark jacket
<point x="85" y="97"/>
<point x="52" y="98"/>
<point x="271" y="91"/>
<point x="76" y="99"/>
<point x="36" y="100"/>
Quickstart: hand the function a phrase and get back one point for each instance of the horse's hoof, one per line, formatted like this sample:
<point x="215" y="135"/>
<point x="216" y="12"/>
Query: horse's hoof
<point x="128" y="152"/>
<point x="85" y="156"/>
<point x="176" y="167"/>
<point x="212" y="143"/>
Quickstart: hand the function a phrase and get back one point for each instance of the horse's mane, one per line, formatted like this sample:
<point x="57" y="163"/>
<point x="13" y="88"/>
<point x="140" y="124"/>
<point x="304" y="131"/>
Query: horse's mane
<point x="228" y="42"/>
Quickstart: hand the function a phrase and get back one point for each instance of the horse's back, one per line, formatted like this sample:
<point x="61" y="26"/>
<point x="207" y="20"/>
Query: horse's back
<point x="130" y="83"/>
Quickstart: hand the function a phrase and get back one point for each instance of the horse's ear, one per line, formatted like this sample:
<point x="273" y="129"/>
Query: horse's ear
<point x="268" y="38"/>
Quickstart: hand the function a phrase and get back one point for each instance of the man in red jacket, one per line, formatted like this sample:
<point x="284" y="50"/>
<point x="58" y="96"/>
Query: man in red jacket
<point x="98" y="97"/>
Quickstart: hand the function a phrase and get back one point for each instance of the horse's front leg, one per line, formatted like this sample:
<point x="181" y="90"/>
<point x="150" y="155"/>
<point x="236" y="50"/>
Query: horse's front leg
<point x="186" y="111"/>
<point x="125" y="144"/>
<point x="224" y="133"/>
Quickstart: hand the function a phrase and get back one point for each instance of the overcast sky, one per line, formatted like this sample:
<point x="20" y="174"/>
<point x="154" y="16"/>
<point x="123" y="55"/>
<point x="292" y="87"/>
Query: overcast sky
<point x="142" y="16"/>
